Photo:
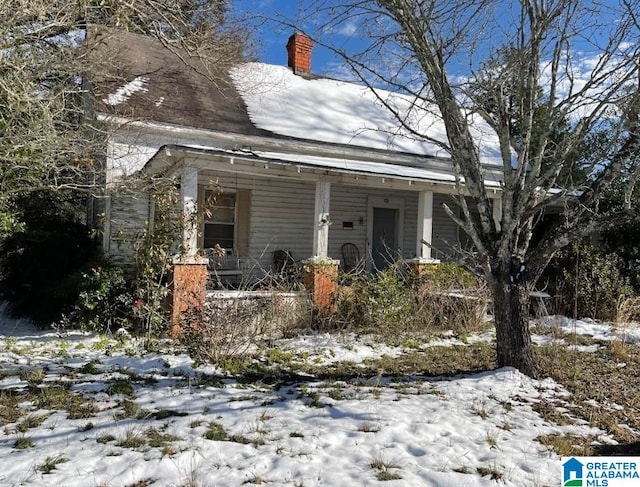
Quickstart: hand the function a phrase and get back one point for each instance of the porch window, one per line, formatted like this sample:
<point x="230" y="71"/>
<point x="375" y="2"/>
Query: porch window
<point x="219" y="221"/>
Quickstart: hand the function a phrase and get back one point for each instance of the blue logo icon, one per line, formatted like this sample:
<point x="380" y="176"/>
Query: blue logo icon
<point x="572" y="476"/>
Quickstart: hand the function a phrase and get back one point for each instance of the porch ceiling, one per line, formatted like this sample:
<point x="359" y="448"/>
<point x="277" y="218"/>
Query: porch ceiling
<point x="170" y="158"/>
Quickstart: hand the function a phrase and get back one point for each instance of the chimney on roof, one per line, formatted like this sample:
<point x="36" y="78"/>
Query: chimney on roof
<point x="299" y="49"/>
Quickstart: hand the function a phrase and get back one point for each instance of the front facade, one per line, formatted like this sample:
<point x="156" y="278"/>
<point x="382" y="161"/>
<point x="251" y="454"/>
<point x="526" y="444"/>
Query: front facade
<point x="275" y="178"/>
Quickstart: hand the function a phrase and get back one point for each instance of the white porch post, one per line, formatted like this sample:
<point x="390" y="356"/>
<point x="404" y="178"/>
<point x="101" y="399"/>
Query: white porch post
<point x="425" y="224"/>
<point x="189" y="197"/>
<point x="497" y="211"/>
<point x="321" y="212"/>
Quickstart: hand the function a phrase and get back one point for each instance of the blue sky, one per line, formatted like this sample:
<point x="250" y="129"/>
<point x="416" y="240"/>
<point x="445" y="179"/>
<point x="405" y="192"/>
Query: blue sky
<point x="273" y="38"/>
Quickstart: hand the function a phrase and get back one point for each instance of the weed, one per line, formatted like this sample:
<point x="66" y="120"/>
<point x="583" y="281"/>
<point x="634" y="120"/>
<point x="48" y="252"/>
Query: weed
<point x="245" y="440"/>
<point x="256" y="480"/>
<point x="296" y="434"/>
<point x="492" y="472"/>
<point x="9" y="410"/>
<point x="492" y="441"/>
<point x="104" y="439"/>
<point x="22" y="443"/>
<point x="568" y="445"/>
<point x="130" y="410"/>
<point x="385" y="469"/>
<point x="34" y="376"/>
<point x="120" y="386"/>
<point x="314" y="400"/>
<point x="50" y="463"/>
<point x="90" y="367"/>
<point x="368" y="427"/>
<point x="216" y="432"/>
<point x="336" y="394"/>
<point x="480" y="408"/>
<point x="132" y="440"/>
<point x="31" y="422"/>
<point x="159" y="440"/>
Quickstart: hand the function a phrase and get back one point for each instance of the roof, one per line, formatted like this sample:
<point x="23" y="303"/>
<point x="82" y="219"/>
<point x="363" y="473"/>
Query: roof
<point x="142" y="79"/>
<point x="334" y="111"/>
<point x="153" y="83"/>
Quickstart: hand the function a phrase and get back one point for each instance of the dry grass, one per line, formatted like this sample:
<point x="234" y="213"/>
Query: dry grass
<point x="602" y="384"/>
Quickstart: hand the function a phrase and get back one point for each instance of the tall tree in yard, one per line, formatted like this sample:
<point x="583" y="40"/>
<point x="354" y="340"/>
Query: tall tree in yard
<point x="51" y="148"/>
<point x="47" y="141"/>
<point x="545" y="75"/>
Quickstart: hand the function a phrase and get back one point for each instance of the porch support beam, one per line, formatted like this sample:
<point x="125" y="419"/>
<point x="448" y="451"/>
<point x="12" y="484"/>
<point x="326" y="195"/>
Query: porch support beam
<point x="189" y="198"/>
<point x="189" y="271"/>
<point x="497" y="211"/>
<point x="322" y="222"/>
<point x="425" y="224"/>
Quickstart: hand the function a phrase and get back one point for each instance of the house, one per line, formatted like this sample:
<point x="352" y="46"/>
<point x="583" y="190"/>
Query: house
<point x="302" y="164"/>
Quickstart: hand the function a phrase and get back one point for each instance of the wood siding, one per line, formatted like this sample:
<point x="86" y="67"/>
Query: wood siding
<point x="278" y="214"/>
<point x="128" y="216"/>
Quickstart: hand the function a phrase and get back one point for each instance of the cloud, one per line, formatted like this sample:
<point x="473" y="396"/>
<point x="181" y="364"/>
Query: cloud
<point x="347" y="29"/>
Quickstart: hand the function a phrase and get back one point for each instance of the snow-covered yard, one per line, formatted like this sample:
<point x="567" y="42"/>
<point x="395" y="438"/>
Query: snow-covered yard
<point x="85" y="410"/>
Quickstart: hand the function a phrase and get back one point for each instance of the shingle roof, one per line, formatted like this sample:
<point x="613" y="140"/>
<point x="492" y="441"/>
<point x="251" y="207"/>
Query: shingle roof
<point x="140" y="78"/>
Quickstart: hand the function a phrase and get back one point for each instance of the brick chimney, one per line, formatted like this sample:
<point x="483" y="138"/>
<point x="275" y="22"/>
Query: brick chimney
<point x="299" y="49"/>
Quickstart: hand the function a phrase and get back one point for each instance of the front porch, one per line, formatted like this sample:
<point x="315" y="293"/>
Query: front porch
<point x="242" y="210"/>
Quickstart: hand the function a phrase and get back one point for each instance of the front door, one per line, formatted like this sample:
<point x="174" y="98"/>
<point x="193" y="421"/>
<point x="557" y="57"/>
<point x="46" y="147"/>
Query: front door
<point x="384" y="238"/>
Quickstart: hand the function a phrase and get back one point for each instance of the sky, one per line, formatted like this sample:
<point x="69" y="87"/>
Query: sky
<point x="272" y="37"/>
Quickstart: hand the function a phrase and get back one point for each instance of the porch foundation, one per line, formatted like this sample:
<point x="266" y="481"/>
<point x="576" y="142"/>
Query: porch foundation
<point x="321" y="279"/>
<point x="188" y="292"/>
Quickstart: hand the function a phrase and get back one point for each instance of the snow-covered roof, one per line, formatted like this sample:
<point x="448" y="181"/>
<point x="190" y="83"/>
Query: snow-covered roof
<point x="334" y="111"/>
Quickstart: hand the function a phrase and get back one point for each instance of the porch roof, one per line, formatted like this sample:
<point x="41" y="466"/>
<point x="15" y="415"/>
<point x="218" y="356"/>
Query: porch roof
<point x="170" y="158"/>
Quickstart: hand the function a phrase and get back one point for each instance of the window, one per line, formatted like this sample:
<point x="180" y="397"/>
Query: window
<point x="219" y="220"/>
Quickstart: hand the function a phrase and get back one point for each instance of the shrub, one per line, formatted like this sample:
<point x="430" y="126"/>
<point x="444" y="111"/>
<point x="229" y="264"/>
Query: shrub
<point x="41" y="254"/>
<point x="584" y="279"/>
<point x="105" y="300"/>
<point x="395" y="301"/>
<point x="231" y="327"/>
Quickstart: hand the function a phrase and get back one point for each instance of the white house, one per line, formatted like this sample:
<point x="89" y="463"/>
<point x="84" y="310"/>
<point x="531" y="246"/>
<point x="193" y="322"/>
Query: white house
<point x="305" y="164"/>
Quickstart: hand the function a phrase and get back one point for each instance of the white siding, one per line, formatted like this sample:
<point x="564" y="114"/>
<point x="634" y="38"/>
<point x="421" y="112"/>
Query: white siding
<point x="128" y="216"/>
<point x="281" y="218"/>
<point x="445" y="230"/>
<point x="349" y="204"/>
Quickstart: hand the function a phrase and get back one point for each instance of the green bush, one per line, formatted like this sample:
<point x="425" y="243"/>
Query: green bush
<point x="586" y="278"/>
<point x="394" y="302"/>
<point x="447" y="276"/>
<point x="41" y="254"/>
<point x="105" y="300"/>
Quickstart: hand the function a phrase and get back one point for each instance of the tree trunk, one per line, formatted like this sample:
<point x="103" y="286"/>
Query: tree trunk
<point x="510" y="292"/>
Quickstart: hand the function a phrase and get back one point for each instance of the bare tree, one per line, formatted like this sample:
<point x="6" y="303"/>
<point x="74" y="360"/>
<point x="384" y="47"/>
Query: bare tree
<point x="48" y="139"/>
<point x="545" y="75"/>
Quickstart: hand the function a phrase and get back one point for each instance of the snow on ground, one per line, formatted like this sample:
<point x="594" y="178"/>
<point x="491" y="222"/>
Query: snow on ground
<point x="180" y="425"/>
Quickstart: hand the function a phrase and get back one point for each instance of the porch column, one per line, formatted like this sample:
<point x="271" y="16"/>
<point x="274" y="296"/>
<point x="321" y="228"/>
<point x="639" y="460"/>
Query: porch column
<point x="189" y="198"/>
<point x="321" y="212"/>
<point x="425" y="224"/>
<point x="497" y="211"/>
<point x="423" y="262"/>
<point x="320" y="271"/>
<point x="189" y="273"/>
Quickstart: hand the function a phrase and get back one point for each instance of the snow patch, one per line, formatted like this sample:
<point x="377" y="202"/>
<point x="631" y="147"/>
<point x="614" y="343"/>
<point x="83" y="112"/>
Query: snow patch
<point x="123" y="93"/>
